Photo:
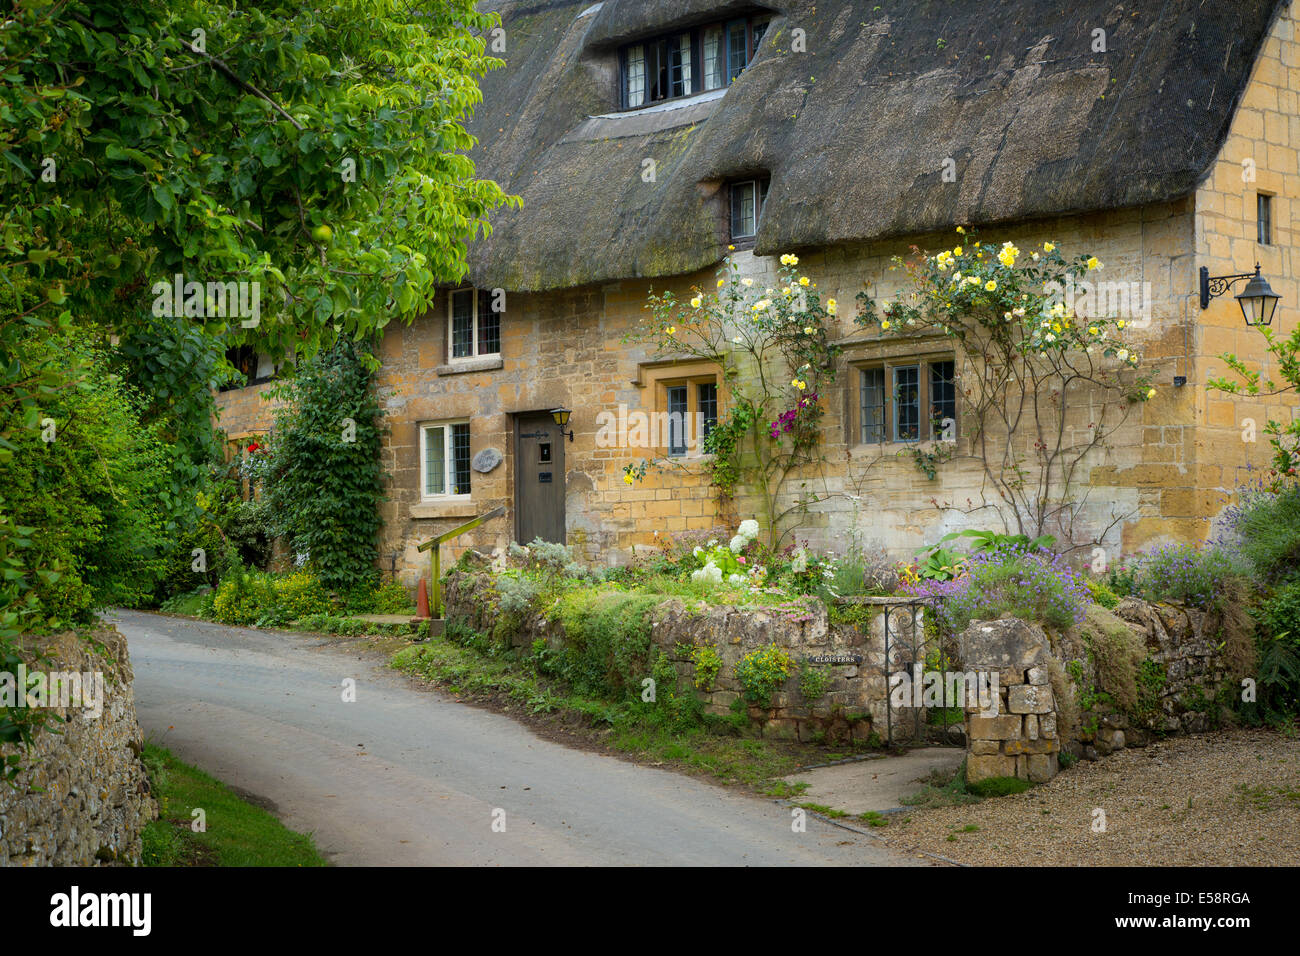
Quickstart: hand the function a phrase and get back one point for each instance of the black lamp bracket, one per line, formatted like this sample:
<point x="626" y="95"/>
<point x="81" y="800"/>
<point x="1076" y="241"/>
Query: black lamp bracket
<point x="1214" y="286"/>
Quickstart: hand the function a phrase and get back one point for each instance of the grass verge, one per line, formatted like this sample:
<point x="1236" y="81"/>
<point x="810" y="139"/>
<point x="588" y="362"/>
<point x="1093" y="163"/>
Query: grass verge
<point x="673" y="731"/>
<point x="237" y="833"/>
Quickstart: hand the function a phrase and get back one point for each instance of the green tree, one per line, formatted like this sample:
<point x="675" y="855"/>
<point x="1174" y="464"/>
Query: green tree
<point x="1283" y="436"/>
<point x="314" y="153"/>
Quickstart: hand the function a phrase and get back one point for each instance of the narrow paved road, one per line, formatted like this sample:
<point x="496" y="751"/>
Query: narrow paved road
<point x="406" y="776"/>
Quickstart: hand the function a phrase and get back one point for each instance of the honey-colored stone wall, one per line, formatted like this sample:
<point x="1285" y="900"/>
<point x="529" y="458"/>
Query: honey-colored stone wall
<point x="1261" y="154"/>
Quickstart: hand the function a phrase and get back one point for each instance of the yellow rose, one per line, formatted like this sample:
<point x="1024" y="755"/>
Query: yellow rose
<point x="1120" y="324"/>
<point x="1092" y="330"/>
<point x="884" y="325"/>
<point x="1093" y="263"/>
<point x="671" y="330"/>
<point x="991" y="286"/>
<point x="721" y="283"/>
<point x="696" y="302"/>
<point x="803" y="280"/>
<point x="1151" y="393"/>
<point x="832" y="306"/>
<point x="956" y="251"/>
<point x="807" y="330"/>
<point x="961" y="230"/>
<point x="628" y="479"/>
<point x="1049" y="247"/>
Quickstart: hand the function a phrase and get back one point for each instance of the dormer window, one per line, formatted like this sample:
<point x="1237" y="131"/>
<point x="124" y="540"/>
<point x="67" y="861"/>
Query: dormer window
<point x="747" y="200"/>
<point x="687" y="62"/>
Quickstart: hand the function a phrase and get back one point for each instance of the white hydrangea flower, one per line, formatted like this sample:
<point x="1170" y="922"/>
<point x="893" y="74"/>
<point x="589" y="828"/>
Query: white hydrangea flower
<point x="738" y="544"/>
<point x="736" y="579"/>
<point x="709" y="574"/>
<point x="748" y="529"/>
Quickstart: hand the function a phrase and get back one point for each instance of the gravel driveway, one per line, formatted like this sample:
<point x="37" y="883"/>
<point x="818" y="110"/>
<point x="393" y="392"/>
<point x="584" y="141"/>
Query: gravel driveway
<point x="1223" y="799"/>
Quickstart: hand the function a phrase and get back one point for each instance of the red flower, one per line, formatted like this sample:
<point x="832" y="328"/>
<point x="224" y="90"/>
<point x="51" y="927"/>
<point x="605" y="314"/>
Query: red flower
<point x="254" y="446"/>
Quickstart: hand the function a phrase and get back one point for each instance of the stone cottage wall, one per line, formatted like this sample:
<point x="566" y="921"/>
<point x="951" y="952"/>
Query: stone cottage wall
<point x="567" y="348"/>
<point x="84" y="797"/>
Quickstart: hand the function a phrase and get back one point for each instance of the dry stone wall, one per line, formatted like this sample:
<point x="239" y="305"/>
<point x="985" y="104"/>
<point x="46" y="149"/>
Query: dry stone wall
<point x="855" y="701"/>
<point x="1053" y="696"/>
<point x="83" y="798"/>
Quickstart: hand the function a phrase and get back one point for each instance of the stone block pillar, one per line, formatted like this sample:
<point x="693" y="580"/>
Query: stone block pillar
<point x="1020" y="739"/>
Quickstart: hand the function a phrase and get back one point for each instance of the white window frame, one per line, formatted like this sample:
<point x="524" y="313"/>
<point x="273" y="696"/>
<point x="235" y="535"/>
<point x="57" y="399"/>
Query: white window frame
<point x="448" y="462"/>
<point x="452" y="357"/>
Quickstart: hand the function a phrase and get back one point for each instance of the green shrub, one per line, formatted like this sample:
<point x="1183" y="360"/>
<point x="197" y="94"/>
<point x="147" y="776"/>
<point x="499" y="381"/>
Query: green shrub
<point x="762" y="671"/>
<point x="299" y="594"/>
<point x="1280" y="614"/>
<point x="1267" y="527"/>
<point x="707" y="663"/>
<point x="1183" y="574"/>
<point x="812" y="681"/>
<point x="243" y="598"/>
<point x="1102" y="594"/>
<point x="392" y="597"/>
<point x="607" y="640"/>
<point x="1278" y="655"/>
<point x="84" y="494"/>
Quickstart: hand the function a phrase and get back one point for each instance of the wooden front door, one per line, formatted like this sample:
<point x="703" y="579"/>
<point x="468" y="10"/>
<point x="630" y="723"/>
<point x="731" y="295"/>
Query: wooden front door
<point x="539" y="478"/>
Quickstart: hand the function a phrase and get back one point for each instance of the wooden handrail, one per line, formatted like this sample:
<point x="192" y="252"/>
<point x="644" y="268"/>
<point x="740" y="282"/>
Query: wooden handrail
<point x="435" y="559"/>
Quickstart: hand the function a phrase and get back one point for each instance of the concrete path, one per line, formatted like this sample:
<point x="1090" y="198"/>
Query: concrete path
<point x="878" y="784"/>
<point x="407" y="776"/>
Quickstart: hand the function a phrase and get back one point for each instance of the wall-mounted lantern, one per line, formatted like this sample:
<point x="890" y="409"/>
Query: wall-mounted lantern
<point x="1257" y="300"/>
<point x="561" y="416"/>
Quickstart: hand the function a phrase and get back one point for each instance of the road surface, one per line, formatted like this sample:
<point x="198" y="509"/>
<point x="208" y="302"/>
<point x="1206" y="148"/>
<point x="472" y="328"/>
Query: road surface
<point x="409" y="776"/>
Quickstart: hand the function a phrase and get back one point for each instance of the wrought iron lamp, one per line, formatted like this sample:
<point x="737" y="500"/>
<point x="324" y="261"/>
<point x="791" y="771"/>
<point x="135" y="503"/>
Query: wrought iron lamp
<point x="1258" y="301"/>
<point x="561" y="416"/>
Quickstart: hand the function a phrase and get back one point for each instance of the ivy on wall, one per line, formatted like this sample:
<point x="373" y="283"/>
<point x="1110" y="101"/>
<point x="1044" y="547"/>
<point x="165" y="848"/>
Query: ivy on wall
<point x="321" y="466"/>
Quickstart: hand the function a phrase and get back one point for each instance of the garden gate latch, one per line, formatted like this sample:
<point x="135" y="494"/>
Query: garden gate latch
<point x="435" y="559"/>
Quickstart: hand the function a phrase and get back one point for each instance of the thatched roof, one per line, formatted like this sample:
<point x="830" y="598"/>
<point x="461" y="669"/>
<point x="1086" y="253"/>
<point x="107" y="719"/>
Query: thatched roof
<point x="855" y="131"/>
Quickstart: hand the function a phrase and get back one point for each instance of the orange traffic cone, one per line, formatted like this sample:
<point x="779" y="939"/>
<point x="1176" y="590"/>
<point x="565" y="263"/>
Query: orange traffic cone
<point x="422" y="600"/>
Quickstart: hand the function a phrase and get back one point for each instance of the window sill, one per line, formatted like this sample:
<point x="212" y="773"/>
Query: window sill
<point x="862" y="448"/>
<point x="488" y="364"/>
<point x="452" y="506"/>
